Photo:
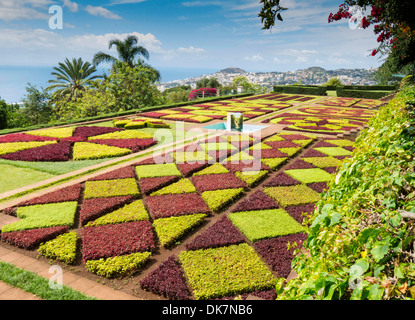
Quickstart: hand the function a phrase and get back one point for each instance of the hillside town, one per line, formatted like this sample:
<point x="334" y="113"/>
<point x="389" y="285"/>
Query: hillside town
<point x="309" y="76"/>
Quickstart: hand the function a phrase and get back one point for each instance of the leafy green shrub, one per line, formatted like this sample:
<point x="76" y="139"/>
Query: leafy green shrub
<point x="43" y="216"/>
<point x="292" y="195"/>
<point x="217" y="200"/>
<point x="170" y="230"/>
<point x="118" y="266"/>
<point x="264" y="224"/>
<point x="111" y="188"/>
<point x="62" y="248"/>
<point x="359" y="246"/>
<point x="225" y="271"/>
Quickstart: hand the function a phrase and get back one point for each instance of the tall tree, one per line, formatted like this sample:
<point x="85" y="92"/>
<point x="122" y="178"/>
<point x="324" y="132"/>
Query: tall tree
<point x="72" y="77"/>
<point x="127" y="50"/>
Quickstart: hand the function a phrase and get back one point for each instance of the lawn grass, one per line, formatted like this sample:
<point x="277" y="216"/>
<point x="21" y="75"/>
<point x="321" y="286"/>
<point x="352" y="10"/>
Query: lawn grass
<point x="37" y="285"/>
<point x="19" y="177"/>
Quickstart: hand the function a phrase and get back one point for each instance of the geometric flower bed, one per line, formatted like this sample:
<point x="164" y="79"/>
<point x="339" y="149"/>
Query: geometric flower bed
<point x="251" y="107"/>
<point x="80" y="143"/>
<point x="126" y="216"/>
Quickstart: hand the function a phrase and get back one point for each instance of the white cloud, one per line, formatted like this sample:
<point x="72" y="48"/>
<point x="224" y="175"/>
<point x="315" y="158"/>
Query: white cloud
<point x="101" y="11"/>
<point x="72" y="6"/>
<point x="254" y="58"/>
<point x="116" y="2"/>
<point x="24" y="10"/>
<point x="190" y="49"/>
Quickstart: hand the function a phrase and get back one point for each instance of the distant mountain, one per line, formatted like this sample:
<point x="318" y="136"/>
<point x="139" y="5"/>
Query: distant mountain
<point x="315" y="69"/>
<point x="232" y="70"/>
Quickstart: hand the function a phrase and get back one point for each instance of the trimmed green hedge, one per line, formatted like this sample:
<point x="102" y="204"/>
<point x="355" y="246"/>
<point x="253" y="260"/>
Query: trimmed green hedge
<point x="123" y="113"/>
<point x="363" y="94"/>
<point x="306" y="90"/>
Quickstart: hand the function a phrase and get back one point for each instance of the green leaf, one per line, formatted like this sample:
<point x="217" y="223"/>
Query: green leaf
<point x="375" y="292"/>
<point x="380" y="249"/>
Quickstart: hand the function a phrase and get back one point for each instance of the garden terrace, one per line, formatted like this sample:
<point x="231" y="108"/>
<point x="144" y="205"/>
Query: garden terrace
<point x="205" y="219"/>
<point x="144" y="211"/>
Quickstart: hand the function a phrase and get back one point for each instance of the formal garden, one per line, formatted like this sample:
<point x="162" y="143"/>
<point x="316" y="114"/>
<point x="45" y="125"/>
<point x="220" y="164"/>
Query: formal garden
<point x="225" y="214"/>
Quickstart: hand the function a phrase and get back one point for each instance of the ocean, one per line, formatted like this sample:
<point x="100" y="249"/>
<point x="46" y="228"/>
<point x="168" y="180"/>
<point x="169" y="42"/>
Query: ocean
<point x="14" y="79"/>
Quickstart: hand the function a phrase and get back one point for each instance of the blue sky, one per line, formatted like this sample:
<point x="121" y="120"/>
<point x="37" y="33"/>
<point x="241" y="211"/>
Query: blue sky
<point x="206" y="34"/>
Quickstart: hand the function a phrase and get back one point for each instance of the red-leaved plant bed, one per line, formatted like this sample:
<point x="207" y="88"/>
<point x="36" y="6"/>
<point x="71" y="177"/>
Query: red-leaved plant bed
<point x="176" y="205"/>
<point x="299" y="212"/>
<point x="134" y="145"/>
<point x="187" y="169"/>
<point x="299" y="164"/>
<point x="149" y="185"/>
<point x="66" y="194"/>
<point x="276" y="254"/>
<point x="92" y="209"/>
<point x="221" y="233"/>
<point x="54" y="153"/>
<point x="21" y="137"/>
<point x="267" y="153"/>
<point x="281" y="179"/>
<point x="167" y="280"/>
<point x="281" y="144"/>
<point x="217" y="182"/>
<point x="318" y="186"/>
<point x="257" y="201"/>
<point x="93" y="131"/>
<point x="154" y="114"/>
<point x="29" y="239"/>
<point x="117" y="239"/>
<point x="265" y="295"/>
<point x="123" y="173"/>
<point x="254" y="165"/>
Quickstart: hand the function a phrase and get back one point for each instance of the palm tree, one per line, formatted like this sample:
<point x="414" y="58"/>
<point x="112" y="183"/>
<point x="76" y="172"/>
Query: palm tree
<point x="72" y="77"/>
<point x="127" y="51"/>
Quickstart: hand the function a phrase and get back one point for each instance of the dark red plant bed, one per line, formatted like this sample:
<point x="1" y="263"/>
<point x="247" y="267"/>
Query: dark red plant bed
<point x="149" y="185"/>
<point x="298" y="212"/>
<point x="154" y="114"/>
<point x="217" y="182"/>
<point x="123" y="173"/>
<point x="299" y="164"/>
<point x="92" y="209"/>
<point x="29" y="239"/>
<point x="324" y="144"/>
<point x="291" y="137"/>
<point x="265" y="295"/>
<point x="74" y="139"/>
<point x="254" y="165"/>
<point x="318" y="186"/>
<point x="281" y="144"/>
<point x="56" y="152"/>
<point x="21" y="137"/>
<point x="267" y="153"/>
<point x="313" y="153"/>
<point x="257" y="201"/>
<point x="135" y="145"/>
<point x="176" y="205"/>
<point x="331" y="169"/>
<point x="187" y="169"/>
<point x="156" y="159"/>
<point x="117" y="239"/>
<point x="93" y="131"/>
<point x="221" y="233"/>
<point x="167" y="281"/>
<point x="70" y="193"/>
<point x="281" y="179"/>
<point x="276" y="254"/>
